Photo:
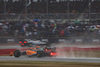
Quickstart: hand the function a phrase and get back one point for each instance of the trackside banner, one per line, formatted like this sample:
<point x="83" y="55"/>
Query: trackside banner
<point x="53" y="40"/>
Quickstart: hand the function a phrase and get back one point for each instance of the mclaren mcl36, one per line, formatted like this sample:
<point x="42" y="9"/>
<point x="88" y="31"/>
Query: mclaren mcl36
<point x="37" y="51"/>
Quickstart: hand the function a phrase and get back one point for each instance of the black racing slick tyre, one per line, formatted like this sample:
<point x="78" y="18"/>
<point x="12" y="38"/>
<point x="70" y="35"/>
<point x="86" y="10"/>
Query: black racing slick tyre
<point x="39" y="54"/>
<point x="17" y="53"/>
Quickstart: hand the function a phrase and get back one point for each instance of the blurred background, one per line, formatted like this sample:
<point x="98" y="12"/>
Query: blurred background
<point x="50" y="19"/>
<point x="68" y="23"/>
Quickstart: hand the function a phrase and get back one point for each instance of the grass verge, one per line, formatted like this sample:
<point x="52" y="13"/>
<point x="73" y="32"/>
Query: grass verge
<point x="45" y="64"/>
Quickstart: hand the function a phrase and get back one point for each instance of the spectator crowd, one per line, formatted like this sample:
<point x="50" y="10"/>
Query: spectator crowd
<point x="47" y="29"/>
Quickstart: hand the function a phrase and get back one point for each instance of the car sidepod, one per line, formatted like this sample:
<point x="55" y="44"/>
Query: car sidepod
<point x="31" y="52"/>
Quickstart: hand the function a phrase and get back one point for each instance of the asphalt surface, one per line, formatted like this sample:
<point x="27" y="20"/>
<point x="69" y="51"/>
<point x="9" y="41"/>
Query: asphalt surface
<point x="58" y="59"/>
<point x="18" y="46"/>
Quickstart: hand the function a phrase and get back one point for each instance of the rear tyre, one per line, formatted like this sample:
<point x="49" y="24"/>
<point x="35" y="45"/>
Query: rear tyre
<point x="17" y="53"/>
<point x="39" y="54"/>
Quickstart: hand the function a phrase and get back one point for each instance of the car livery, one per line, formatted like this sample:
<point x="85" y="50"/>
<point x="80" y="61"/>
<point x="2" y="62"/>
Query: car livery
<point x="39" y="52"/>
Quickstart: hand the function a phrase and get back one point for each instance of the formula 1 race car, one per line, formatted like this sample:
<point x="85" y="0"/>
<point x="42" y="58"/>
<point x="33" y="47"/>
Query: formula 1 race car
<point x="30" y="42"/>
<point x="38" y="51"/>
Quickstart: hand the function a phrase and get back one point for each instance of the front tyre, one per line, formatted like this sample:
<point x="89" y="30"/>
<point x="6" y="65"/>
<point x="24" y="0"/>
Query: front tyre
<point x="17" y="53"/>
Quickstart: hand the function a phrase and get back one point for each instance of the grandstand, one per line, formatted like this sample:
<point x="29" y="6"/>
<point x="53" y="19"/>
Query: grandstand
<point x="67" y="12"/>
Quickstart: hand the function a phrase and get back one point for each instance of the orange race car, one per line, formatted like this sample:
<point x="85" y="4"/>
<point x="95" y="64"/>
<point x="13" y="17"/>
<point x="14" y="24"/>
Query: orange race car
<point x="38" y="51"/>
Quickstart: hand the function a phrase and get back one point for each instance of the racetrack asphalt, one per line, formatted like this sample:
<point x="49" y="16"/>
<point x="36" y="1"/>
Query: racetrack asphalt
<point x="18" y="46"/>
<point x="58" y="59"/>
